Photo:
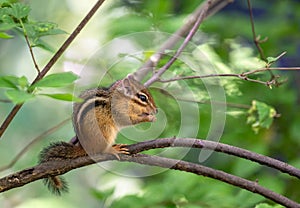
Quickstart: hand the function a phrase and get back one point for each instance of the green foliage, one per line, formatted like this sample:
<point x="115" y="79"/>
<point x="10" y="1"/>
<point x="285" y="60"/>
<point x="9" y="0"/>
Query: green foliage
<point x="64" y="96"/>
<point x="15" y="17"/>
<point x="260" y="115"/>
<point x="18" y="92"/>
<point x="18" y="96"/>
<point x="17" y="10"/>
<point x="13" y="82"/>
<point x="57" y="80"/>
<point x="271" y="60"/>
<point x="36" y="30"/>
<point x="21" y="91"/>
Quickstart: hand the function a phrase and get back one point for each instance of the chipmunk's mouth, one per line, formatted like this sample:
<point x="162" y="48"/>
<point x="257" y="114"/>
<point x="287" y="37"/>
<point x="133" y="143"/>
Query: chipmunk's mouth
<point x="148" y="116"/>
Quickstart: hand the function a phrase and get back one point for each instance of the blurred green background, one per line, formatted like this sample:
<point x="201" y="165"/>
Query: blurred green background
<point x="225" y="38"/>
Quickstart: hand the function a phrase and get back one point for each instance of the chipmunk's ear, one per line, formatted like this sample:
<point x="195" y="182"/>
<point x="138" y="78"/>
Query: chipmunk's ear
<point x="131" y="77"/>
<point x="129" y="86"/>
<point x="122" y="84"/>
<point x="126" y="85"/>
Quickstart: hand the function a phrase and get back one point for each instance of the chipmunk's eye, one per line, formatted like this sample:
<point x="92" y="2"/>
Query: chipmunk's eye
<point x="142" y="97"/>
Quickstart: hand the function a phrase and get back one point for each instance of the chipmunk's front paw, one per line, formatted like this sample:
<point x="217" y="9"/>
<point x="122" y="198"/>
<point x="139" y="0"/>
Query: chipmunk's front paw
<point x="119" y="149"/>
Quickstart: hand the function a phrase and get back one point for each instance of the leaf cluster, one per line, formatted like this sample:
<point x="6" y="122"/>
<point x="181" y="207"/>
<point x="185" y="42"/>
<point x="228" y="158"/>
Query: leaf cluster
<point x="19" y="90"/>
<point x="14" y="18"/>
<point x="260" y="115"/>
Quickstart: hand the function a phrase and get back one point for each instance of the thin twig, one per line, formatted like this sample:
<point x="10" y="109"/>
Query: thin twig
<point x="214" y="102"/>
<point x="30" y="47"/>
<point x="211" y="102"/>
<point x="31" y="54"/>
<point x="192" y="32"/>
<point x="34" y="141"/>
<point x="273" y="69"/>
<point x="243" y="76"/>
<point x="147" y="67"/>
<point x="256" y="39"/>
<point x="52" y="61"/>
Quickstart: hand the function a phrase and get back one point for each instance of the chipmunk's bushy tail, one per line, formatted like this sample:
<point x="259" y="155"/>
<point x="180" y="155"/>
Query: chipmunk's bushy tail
<point x="58" y="151"/>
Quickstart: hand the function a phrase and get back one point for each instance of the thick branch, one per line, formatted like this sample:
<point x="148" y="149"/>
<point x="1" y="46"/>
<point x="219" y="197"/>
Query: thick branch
<point x="56" y="168"/>
<point x="59" y="167"/>
<point x="52" y="61"/>
<point x="218" y="147"/>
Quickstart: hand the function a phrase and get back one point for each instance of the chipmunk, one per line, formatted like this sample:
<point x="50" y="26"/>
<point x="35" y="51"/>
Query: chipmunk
<point x="97" y="121"/>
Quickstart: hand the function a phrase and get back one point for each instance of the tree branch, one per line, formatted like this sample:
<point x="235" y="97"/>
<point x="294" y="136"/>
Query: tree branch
<point x="58" y="167"/>
<point x="218" y="147"/>
<point x="52" y="61"/>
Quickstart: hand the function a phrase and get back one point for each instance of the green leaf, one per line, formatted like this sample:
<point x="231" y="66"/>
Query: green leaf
<point x="36" y="30"/>
<point x="42" y="44"/>
<point x="18" y="97"/>
<point x="9" y="82"/>
<point x="7" y="26"/>
<point x="64" y="96"/>
<point x="5" y="35"/>
<point x="39" y="29"/>
<point x="266" y="114"/>
<point x="6" y="18"/>
<point x="57" y="80"/>
<point x="19" y="10"/>
<point x="23" y="82"/>
<point x="271" y="60"/>
<point x="260" y="115"/>
<point x="14" y="82"/>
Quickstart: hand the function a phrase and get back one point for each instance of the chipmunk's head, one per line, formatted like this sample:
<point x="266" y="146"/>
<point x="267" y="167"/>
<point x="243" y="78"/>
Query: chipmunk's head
<point x="131" y="103"/>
